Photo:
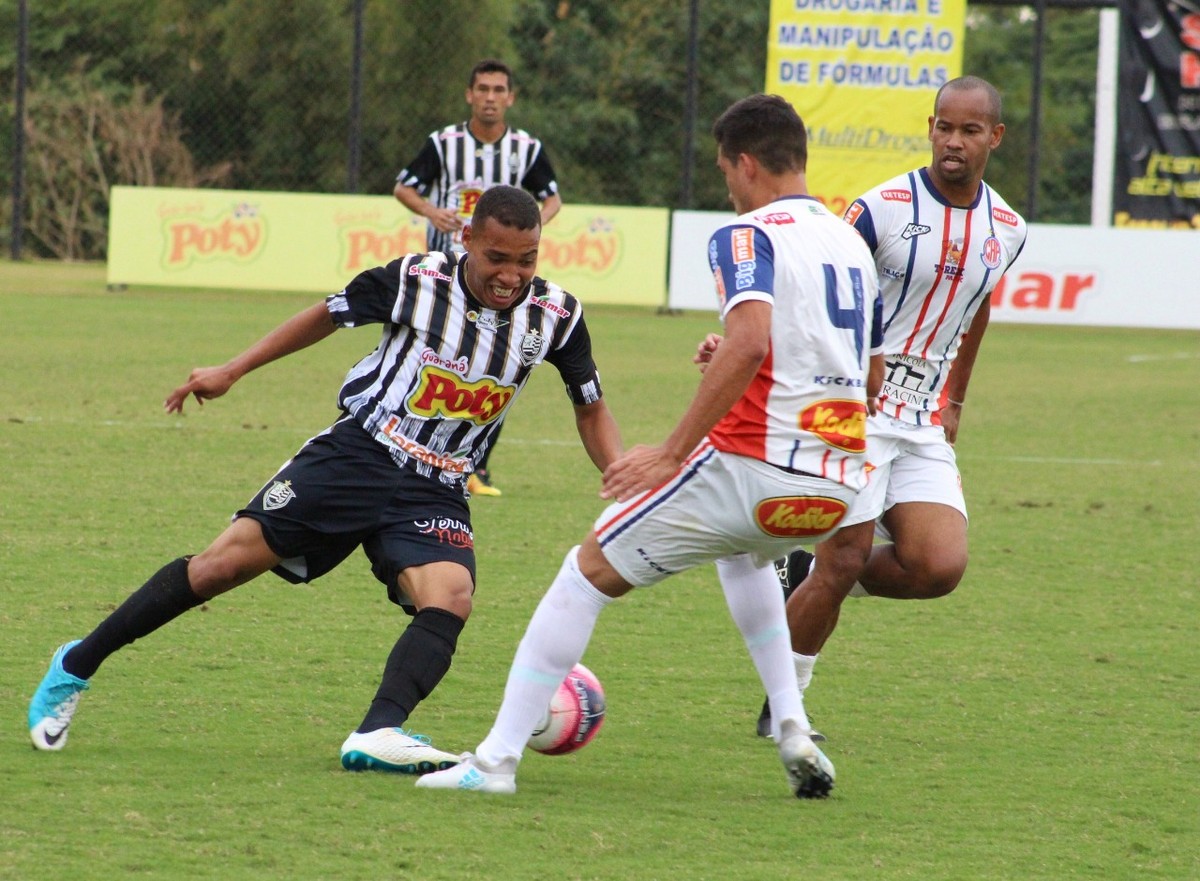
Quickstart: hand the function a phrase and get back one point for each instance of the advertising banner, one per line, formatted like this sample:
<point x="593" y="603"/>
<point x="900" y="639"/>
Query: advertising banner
<point x="863" y="75"/>
<point x="315" y="242"/>
<point x="1156" y="182"/>
<point x="1083" y="275"/>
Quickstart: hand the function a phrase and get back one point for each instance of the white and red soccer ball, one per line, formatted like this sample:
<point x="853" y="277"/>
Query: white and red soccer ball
<point x="574" y="716"/>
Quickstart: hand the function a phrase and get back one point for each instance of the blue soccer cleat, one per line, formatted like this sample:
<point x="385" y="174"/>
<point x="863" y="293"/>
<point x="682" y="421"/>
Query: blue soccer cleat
<point x="54" y="703"/>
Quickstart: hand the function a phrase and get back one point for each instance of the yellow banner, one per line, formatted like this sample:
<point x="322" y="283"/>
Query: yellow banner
<point x="863" y="75"/>
<point x="314" y="242"/>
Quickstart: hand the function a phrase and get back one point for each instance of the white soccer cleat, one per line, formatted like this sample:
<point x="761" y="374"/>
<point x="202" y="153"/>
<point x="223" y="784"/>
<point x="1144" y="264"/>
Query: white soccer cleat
<point x="468" y="776"/>
<point x="809" y="770"/>
<point x="394" y="750"/>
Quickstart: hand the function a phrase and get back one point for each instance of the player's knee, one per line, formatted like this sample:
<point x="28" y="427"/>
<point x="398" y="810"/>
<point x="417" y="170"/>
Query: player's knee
<point x="938" y="578"/>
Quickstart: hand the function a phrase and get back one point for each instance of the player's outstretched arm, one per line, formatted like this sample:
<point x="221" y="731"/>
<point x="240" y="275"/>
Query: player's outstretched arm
<point x="298" y="332"/>
<point x="599" y="433"/>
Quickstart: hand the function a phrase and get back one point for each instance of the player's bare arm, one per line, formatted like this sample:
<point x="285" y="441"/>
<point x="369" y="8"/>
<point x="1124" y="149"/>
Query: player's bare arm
<point x="444" y="219"/>
<point x="599" y="432"/>
<point x="729" y="373"/>
<point x="298" y="332"/>
<point x="875" y="370"/>
<point x="960" y="372"/>
<point x="551" y="207"/>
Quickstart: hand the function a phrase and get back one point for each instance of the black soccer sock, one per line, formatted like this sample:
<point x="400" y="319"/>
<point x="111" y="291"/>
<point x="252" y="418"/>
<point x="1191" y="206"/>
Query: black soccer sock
<point x="416" y="665"/>
<point x="166" y="596"/>
<point x="799" y="562"/>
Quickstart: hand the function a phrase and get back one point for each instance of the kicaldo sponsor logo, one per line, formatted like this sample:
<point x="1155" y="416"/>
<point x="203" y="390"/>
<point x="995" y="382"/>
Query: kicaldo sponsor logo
<point x="839" y="422"/>
<point x="597" y="249"/>
<point x="365" y="247"/>
<point x="442" y="393"/>
<point x="798" y="516"/>
<point x="236" y="235"/>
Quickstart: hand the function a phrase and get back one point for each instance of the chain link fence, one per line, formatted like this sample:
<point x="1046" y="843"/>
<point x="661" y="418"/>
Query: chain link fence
<point x="338" y="95"/>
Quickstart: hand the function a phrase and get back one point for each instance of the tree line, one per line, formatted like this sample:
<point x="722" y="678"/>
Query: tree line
<point x="257" y="96"/>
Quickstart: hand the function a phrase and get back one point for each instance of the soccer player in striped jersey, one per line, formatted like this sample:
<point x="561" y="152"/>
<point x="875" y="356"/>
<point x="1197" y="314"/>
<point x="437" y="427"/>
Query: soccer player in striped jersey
<point x="770" y="452"/>
<point x="459" y="162"/>
<point x="942" y="239"/>
<point x="461" y="334"/>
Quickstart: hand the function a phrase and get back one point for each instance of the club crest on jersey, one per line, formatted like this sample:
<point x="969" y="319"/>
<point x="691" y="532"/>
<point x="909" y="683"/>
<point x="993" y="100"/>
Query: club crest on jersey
<point x="798" y="516"/>
<point x="484" y="321"/>
<point x="532" y="345"/>
<point x="278" y="495"/>
<point x="913" y="230"/>
<point x="991" y="253"/>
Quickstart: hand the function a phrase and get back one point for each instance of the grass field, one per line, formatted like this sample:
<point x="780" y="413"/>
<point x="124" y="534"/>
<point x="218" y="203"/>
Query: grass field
<point x="1040" y="723"/>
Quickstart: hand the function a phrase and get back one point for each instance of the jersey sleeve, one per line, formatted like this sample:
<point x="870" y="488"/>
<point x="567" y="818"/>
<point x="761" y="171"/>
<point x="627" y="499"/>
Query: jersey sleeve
<point x="742" y="260"/>
<point x="573" y="359"/>
<point x="421" y="173"/>
<point x="540" y="179"/>
<point x="859" y="216"/>
<point x="370" y="298"/>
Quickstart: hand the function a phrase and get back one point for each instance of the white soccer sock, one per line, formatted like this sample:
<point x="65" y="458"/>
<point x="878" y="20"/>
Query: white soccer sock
<point x="756" y="604"/>
<point x="804" y="669"/>
<point x="554" y="641"/>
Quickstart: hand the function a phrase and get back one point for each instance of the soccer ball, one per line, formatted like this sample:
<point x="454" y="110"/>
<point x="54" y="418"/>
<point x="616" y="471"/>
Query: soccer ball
<point x="574" y="716"/>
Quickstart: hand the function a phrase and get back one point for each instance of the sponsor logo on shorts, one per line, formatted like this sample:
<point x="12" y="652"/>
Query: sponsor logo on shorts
<point x="442" y="393"/>
<point x="839" y="422"/>
<point x="447" y="531"/>
<point x="798" y="516"/>
<point x="655" y="566"/>
<point x="278" y="495"/>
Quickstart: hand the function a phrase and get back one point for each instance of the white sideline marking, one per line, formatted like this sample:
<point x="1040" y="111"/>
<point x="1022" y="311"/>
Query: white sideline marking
<point x="1174" y="356"/>
<point x="1059" y="460"/>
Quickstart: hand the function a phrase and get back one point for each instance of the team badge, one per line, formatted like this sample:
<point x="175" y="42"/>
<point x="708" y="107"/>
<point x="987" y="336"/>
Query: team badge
<point x="531" y="347"/>
<point x="278" y="495"/>
<point x="991" y="253"/>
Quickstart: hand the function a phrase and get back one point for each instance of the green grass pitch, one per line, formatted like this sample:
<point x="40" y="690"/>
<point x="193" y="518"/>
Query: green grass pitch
<point x="1040" y="723"/>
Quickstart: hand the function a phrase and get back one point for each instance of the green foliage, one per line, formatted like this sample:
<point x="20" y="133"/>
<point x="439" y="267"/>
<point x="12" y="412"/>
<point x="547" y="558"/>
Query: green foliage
<point x="1039" y="723"/>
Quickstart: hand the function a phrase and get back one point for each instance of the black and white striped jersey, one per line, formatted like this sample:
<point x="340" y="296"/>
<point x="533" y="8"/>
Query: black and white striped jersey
<point x="453" y="169"/>
<point x="447" y="368"/>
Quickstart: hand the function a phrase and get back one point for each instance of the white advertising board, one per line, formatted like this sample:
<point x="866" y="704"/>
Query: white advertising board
<point x="1081" y="275"/>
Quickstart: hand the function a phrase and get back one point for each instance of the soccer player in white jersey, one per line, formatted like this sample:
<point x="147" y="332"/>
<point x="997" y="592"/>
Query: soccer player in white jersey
<point x="942" y="239"/>
<point x="458" y="163"/>
<point x="770" y="453"/>
<point x="460" y="338"/>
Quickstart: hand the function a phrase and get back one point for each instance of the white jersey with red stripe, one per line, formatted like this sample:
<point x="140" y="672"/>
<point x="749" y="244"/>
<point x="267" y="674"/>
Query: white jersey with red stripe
<point x="937" y="264"/>
<point x="805" y="410"/>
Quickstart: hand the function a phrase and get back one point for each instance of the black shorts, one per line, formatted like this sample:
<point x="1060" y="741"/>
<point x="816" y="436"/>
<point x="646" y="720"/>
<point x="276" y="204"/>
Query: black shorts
<point x="342" y="490"/>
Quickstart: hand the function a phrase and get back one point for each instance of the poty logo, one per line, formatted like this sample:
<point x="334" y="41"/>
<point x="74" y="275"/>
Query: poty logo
<point x="597" y="249"/>
<point x="839" y="422"/>
<point x="777" y="217"/>
<point x="441" y="393"/>
<point x="237" y="236"/>
<point x="467" y="200"/>
<point x="797" y="516"/>
<point x="896" y="195"/>
<point x="1004" y="216"/>
<point x="363" y="247"/>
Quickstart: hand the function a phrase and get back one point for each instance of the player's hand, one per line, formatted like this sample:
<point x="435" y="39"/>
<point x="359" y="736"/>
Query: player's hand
<point x="445" y="220"/>
<point x="642" y="468"/>
<point x="706" y="350"/>
<point x="950" y="415"/>
<point x="205" y="383"/>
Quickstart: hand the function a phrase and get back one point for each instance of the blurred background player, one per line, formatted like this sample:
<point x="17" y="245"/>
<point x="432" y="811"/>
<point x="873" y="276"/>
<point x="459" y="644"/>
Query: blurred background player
<point x="388" y="475"/>
<point x="459" y="162"/>
<point x="765" y="456"/>
<point x="942" y="240"/>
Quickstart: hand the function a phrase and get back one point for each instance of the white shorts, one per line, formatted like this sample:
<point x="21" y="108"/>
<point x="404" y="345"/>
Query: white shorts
<point x="909" y="463"/>
<point x="718" y="505"/>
